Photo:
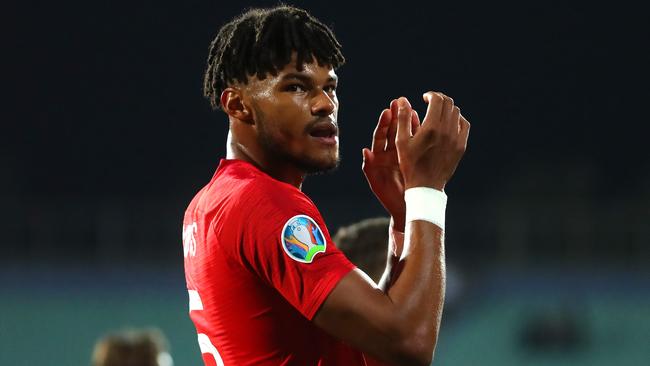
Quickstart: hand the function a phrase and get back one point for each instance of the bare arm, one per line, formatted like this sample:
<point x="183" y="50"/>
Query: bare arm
<point x="394" y="252"/>
<point x="401" y="326"/>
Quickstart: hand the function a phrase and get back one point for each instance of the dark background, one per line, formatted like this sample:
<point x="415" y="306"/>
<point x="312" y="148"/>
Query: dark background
<point x="106" y="136"/>
<point x="106" y="112"/>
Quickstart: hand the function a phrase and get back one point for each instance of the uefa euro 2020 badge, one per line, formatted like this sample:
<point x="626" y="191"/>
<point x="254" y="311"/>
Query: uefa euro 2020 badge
<point x="302" y="239"/>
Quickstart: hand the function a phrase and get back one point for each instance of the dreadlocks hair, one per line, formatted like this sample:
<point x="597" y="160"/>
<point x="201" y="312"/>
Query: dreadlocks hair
<point x="261" y="41"/>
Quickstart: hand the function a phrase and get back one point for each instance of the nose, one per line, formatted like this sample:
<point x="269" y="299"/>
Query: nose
<point x="323" y="104"/>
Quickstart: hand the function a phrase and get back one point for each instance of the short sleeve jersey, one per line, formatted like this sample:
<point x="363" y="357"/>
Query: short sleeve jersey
<point x="259" y="262"/>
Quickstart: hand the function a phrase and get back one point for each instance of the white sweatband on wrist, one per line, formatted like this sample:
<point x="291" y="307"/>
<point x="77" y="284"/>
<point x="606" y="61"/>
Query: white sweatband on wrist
<point x="428" y="204"/>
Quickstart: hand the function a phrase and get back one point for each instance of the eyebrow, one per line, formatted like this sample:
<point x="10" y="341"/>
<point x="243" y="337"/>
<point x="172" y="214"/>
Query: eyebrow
<point x="305" y="78"/>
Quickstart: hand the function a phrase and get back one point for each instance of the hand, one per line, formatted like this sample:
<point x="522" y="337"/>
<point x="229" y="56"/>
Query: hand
<point x="429" y="155"/>
<point x="381" y="167"/>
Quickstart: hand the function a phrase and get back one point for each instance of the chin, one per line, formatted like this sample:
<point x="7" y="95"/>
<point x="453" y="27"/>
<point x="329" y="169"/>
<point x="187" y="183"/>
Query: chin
<point x="310" y="161"/>
<point x="319" y="166"/>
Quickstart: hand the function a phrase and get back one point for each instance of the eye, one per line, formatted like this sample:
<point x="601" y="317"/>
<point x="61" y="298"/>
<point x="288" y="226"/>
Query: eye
<point x="295" y="88"/>
<point x="330" y="88"/>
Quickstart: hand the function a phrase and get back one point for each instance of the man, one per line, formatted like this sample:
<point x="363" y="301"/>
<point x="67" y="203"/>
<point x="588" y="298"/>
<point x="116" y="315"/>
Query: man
<point x="132" y="347"/>
<point x="364" y="244"/>
<point x="266" y="284"/>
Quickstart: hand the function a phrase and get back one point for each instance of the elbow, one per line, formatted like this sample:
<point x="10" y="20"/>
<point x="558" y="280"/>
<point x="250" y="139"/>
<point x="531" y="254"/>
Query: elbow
<point x="416" y="348"/>
<point x="416" y="355"/>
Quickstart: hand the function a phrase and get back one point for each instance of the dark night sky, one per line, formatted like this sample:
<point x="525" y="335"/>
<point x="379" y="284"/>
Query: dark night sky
<point x="105" y="98"/>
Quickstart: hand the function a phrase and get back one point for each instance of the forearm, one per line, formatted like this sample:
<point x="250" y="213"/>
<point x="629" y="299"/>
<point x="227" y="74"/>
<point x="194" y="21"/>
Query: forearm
<point x="399" y="327"/>
<point x="394" y="252"/>
<point x="419" y="289"/>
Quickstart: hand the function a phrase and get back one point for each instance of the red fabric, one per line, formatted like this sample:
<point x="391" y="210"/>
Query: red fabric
<point x="257" y="301"/>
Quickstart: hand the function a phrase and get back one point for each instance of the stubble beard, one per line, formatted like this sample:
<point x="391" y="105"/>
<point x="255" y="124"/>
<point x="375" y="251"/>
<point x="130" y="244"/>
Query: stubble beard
<point x="278" y="152"/>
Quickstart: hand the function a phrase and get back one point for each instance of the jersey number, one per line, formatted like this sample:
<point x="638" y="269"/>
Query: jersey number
<point x="205" y="344"/>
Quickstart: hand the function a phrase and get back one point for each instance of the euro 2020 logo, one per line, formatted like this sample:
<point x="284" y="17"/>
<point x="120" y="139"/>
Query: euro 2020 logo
<point x="302" y="239"/>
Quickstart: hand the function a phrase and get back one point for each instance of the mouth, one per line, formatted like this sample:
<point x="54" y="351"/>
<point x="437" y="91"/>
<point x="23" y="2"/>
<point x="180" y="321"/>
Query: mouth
<point x="324" y="132"/>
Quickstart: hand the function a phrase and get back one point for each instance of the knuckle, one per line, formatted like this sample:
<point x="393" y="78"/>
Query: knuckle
<point x="450" y="100"/>
<point x="435" y="96"/>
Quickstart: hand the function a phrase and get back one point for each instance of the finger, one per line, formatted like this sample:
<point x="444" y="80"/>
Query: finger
<point x="449" y="124"/>
<point x="394" y="106"/>
<point x="434" y="109"/>
<point x="464" y="132"/>
<point x="368" y="157"/>
<point x="415" y="122"/>
<point x="380" y="134"/>
<point x="454" y="122"/>
<point x="403" y="120"/>
<point x="392" y="129"/>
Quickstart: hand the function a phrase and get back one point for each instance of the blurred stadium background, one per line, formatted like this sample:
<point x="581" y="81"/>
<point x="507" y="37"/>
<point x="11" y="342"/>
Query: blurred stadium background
<point x="106" y="139"/>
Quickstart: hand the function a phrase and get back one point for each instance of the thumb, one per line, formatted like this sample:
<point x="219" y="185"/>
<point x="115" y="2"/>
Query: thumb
<point x="368" y="156"/>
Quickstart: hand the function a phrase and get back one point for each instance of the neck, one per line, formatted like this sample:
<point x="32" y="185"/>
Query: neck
<point x="252" y="153"/>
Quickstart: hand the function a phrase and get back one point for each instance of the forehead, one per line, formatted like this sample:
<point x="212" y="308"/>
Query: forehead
<point x="311" y="71"/>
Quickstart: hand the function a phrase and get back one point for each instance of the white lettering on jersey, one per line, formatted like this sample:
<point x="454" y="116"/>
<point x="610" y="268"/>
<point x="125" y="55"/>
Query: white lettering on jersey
<point x="189" y="240"/>
<point x="195" y="300"/>
<point x="205" y="344"/>
<point x="207" y="347"/>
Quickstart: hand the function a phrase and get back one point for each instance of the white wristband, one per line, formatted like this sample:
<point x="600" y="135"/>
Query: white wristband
<point x="428" y="204"/>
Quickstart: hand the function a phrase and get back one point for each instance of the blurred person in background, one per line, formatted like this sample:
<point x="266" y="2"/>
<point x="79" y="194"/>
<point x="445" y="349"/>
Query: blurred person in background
<point x="132" y="347"/>
<point x="266" y="284"/>
<point x="364" y="244"/>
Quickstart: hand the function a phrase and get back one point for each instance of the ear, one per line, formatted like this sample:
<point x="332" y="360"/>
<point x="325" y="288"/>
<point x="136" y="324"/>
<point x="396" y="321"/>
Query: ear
<point x="232" y="102"/>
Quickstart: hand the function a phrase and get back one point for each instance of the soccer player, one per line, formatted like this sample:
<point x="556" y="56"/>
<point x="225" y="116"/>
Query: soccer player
<point x="267" y="286"/>
<point x="364" y="244"/>
<point x="132" y="347"/>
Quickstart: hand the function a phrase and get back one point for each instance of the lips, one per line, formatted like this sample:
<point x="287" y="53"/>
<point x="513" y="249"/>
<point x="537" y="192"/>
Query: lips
<point x="324" y="132"/>
<point x="323" y="129"/>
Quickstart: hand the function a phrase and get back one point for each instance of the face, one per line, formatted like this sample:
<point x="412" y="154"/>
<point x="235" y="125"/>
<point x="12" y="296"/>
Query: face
<point x="295" y="113"/>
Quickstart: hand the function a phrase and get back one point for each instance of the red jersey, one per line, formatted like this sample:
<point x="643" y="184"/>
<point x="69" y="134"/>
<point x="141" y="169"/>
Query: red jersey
<point x="259" y="262"/>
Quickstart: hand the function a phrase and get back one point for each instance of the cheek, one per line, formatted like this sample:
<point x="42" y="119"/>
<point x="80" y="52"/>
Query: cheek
<point x="286" y="116"/>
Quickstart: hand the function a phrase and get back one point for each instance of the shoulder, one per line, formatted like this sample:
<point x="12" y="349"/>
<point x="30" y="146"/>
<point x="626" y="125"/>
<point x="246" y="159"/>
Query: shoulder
<point x="252" y="187"/>
<point x="242" y="193"/>
<point x="270" y="199"/>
